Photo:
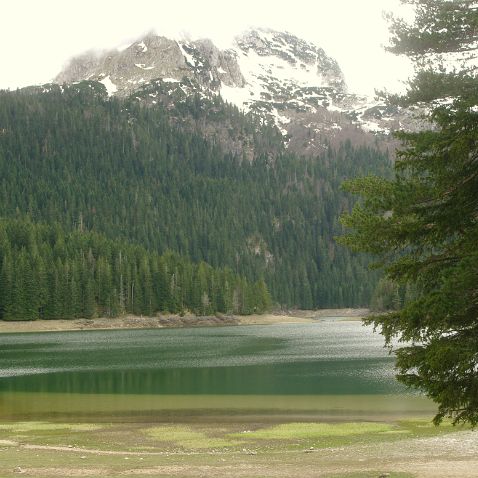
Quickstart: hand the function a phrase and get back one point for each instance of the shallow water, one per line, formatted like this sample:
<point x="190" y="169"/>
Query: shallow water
<point x="327" y="366"/>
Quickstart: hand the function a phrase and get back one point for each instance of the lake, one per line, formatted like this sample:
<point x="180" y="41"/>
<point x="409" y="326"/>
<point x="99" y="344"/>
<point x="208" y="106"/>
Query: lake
<point x="331" y="367"/>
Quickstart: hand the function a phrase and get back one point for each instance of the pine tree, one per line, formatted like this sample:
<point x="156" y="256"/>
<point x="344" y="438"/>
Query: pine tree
<point x="264" y="298"/>
<point x="149" y="303"/>
<point x="161" y="281"/>
<point x="423" y="224"/>
<point x="6" y="288"/>
<point x="29" y="301"/>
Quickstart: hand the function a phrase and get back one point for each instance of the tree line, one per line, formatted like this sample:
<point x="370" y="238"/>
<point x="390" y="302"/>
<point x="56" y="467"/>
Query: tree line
<point x="71" y="155"/>
<point x="48" y="273"/>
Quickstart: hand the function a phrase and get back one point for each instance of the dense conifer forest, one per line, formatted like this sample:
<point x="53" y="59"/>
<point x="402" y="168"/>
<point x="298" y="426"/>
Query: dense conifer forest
<point x="124" y="184"/>
<point x="49" y="274"/>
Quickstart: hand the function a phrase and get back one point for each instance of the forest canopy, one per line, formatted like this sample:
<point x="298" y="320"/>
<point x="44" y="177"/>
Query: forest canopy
<point x="73" y="156"/>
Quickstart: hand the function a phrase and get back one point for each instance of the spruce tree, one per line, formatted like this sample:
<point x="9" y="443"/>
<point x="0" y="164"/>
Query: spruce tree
<point x="423" y="224"/>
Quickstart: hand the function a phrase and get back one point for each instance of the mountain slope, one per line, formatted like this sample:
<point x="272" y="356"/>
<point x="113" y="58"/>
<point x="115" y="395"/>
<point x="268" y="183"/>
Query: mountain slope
<point x="75" y="156"/>
<point x="285" y="80"/>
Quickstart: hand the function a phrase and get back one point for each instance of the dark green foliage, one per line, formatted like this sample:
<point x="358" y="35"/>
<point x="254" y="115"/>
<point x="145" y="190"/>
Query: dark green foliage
<point x="386" y="296"/>
<point x="220" y="122"/>
<point x="49" y="274"/>
<point x="70" y="155"/>
<point x="424" y="223"/>
<point x="440" y="26"/>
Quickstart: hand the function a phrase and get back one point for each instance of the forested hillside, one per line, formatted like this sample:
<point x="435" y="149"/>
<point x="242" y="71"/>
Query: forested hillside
<point x="73" y="156"/>
<point x="49" y="274"/>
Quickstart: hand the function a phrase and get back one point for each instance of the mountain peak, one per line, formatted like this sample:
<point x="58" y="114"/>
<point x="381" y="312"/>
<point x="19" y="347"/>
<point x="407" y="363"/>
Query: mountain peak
<point x="296" y="51"/>
<point x="153" y="57"/>
<point x="275" y="74"/>
<point x="278" y="68"/>
<point x="260" y="52"/>
<point x="297" y="55"/>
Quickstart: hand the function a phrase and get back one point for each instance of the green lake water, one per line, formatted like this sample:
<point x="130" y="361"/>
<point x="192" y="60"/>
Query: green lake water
<point x="328" y="368"/>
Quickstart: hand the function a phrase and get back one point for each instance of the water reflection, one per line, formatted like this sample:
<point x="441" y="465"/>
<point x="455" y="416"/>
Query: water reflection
<point x="333" y="368"/>
<point x="330" y="357"/>
<point x="302" y="378"/>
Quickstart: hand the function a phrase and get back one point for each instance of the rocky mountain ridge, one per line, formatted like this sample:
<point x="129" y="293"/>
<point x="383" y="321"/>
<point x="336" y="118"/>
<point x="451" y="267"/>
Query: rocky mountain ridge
<point x="282" y="78"/>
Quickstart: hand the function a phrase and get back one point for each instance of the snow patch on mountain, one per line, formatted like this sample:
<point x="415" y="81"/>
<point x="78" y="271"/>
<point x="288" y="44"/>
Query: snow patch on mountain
<point x="109" y="85"/>
<point x="279" y="67"/>
<point x="284" y="79"/>
<point x="143" y="47"/>
<point x="186" y="51"/>
<point x="143" y="66"/>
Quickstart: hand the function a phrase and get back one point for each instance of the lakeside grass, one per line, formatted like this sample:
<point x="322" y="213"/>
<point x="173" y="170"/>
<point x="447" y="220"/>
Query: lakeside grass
<point x="314" y="431"/>
<point x="257" y="449"/>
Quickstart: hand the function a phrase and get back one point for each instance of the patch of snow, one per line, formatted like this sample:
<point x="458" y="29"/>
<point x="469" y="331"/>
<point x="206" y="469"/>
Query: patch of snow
<point x="221" y="70"/>
<point x="184" y="89"/>
<point x="189" y="58"/>
<point x="282" y="130"/>
<point x="237" y="96"/>
<point x="111" y="88"/>
<point x="372" y="127"/>
<point x="143" y="67"/>
<point x="143" y="47"/>
<point x="332" y="107"/>
<point x="444" y="101"/>
<point x="283" y="119"/>
<point x="263" y="73"/>
<point x="170" y="80"/>
<point x="280" y="121"/>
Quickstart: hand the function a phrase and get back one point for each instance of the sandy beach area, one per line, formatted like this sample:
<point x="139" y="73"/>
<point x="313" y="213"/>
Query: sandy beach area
<point x="137" y="322"/>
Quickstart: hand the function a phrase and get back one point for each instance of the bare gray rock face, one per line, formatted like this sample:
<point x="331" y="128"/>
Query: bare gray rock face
<point x="153" y="57"/>
<point x="285" y="80"/>
<point x="222" y="65"/>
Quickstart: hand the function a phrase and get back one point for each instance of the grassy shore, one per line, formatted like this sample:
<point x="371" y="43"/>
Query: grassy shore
<point x="262" y="448"/>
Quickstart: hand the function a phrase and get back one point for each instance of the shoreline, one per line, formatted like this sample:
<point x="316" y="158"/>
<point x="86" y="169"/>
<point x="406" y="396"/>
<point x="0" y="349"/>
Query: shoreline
<point x="176" y="321"/>
<point x="243" y="448"/>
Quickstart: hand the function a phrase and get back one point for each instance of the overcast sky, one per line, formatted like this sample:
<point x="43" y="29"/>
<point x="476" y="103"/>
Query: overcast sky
<point x="38" y="37"/>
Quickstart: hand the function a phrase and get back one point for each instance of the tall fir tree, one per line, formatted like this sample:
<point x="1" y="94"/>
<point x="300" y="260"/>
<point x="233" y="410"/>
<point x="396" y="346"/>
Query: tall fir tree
<point x="423" y="224"/>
